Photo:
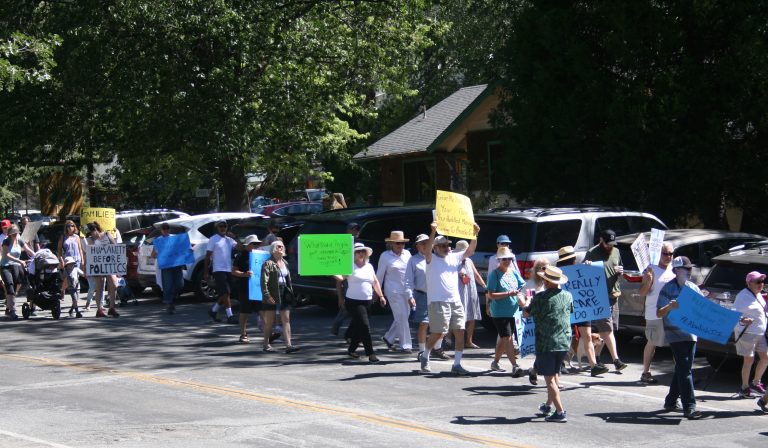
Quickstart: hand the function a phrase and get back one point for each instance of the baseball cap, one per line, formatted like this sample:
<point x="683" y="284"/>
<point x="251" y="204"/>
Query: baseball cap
<point x="441" y="239"/>
<point x="503" y="239"/>
<point x="682" y="262"/>
<point x="5" y="224"/>
<point x="420" y="237"/>
<point x="754" y="275"/>
<point x="608" y="236"/>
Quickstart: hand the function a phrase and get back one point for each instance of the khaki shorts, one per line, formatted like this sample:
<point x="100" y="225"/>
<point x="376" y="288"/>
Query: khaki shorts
<point x="444" y="316"/>
<point x="654" y="332"/>
<point x="751" y="343"/>
<point x="608" y="324"/>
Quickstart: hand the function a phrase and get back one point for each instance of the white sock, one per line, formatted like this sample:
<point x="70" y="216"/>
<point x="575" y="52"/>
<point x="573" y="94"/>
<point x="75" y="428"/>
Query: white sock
<point x="215" y="308"/>
<point x="439" y="343"/>
<point x="427" y="351"/>
<point x="229" y="312"/>
<point x="457" y="358"/>
<point x="422" y="347"/>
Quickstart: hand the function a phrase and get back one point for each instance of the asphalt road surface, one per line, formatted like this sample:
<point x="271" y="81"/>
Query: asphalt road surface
<point x="148" y="379"/>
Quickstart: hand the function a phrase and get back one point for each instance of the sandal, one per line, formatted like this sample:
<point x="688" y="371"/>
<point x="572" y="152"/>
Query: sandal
<point x="244" y="339"/>
<point x="268" y="348"/>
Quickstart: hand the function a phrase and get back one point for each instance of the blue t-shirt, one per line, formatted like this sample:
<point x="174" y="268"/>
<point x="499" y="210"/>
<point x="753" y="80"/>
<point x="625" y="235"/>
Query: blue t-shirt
<point x="504" y="282"/>
<point x="669" y="292"/>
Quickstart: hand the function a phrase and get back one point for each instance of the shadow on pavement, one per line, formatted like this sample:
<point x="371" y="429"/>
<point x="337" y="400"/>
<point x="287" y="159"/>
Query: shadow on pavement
<point x="484" y="420"/>
<point x="502" y="391"/>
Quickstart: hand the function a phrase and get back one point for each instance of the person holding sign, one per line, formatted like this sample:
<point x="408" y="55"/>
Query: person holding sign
<point x="361" y="286"/>
<point x="391" y="275"/>
<point x="607" y="253"/>
<point x="101" y="238"/>
<point x="506" y="295"/>
<point x="242" y="274"/>
<point x="172" y="277"/>
<point x="444" y="309"/>
<point x="752" y="326"/>
<point x="219" y="255"/>
<point x="277" y="295"/>
<point x="551" y="310"/>
<point x="654" y="279"/>
<point x="683" y="344"/>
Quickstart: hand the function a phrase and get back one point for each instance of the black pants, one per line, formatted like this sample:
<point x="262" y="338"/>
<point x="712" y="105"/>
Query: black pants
<point x="360" y="328"/>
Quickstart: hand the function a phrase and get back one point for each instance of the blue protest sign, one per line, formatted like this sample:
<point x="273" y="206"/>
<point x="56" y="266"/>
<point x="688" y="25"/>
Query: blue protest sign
<point x="173" y="250"/>
<point x="587" y="285"/>
<point x="526" y="334"/>
<point x="256" y="260"/>
<point x="705" y="319"/>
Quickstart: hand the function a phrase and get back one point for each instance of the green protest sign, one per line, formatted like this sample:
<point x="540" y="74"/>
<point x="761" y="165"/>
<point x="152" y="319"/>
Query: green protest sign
<point x="325" y="254"/>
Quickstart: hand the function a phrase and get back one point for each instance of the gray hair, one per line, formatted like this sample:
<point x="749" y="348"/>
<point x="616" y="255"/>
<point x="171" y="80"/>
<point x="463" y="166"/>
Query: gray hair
<point x="273" y="246"/>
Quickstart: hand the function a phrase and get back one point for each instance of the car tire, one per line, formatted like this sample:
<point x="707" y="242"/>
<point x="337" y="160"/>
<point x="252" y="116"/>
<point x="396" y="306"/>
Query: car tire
<point x="204" y="290"/>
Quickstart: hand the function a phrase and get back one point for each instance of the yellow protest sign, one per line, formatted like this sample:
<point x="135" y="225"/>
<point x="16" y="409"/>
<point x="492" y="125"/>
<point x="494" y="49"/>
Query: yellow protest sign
<point x="454" y="215"/>
<point x="104" y="216"/>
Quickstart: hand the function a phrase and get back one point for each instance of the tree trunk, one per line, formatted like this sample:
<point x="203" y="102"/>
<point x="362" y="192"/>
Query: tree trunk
<point x="235" y="188"/>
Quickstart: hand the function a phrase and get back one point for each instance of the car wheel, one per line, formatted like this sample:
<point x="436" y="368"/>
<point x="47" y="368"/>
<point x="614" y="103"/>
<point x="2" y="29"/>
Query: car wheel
<point x="25" y="311"/>
<point x="56" y="311"/>
<point x="204" y="290"/>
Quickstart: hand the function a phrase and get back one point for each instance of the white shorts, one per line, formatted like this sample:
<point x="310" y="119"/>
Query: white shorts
<point x="444" y="316"/>
<point x="751" y="343"/>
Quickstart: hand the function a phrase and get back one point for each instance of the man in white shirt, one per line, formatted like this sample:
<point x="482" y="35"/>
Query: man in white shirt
<point x="444" y="303"/>
<point x="219" y="254"/>
<point x="654" y="279"/>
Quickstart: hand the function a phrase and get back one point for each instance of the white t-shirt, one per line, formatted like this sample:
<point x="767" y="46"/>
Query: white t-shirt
<point x="443" y="278"/>
<point x="751" y="306"/>
<point x="391" y="271"/>
<point x="660" y="278"/>
<point x="360" y="283"/>
<point x="221" y="248"/>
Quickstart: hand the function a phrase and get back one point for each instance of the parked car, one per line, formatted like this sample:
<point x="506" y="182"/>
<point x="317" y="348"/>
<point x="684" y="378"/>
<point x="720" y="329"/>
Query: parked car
<point x="375" y="225"/>
<point x="199" y="228"/>
<point x="127" y="220"/>
<point x="540" y="232"/>
<point x="699" y="245"/>
<point x="133" y="240"/>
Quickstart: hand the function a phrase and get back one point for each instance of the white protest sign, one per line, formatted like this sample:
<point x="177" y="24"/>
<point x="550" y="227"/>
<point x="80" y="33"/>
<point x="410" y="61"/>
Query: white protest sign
<point x="654" y="247"/>
<point x="105" y="259"/>
<point x="640" y="251"/>
<point x="30" y="231"/>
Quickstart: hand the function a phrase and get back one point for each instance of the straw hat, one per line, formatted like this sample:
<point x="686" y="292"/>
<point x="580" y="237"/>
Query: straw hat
<point x="553" y="275"/>
<point x="397" y="236"/>
<point x="503" y="253"/>
<point x="361" y="246"/>
<point x="565" y="253"/>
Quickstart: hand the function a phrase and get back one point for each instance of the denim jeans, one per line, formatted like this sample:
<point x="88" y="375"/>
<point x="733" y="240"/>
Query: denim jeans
<point x="682" y="380"/>
<point x="360" y="328"/>
<point x="173" y="282"/>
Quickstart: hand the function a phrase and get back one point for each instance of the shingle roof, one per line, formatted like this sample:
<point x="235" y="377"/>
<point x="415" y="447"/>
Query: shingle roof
<point x="421" y="132"/>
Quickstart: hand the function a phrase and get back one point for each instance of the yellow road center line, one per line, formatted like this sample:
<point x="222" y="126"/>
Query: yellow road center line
<point x="268" y="399"/>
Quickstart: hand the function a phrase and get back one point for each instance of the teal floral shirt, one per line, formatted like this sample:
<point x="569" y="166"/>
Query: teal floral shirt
<point x="551" y="310"/>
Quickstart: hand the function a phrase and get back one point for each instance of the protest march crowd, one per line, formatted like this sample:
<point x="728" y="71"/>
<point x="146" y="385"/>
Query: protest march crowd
<point x="564" y="311"/>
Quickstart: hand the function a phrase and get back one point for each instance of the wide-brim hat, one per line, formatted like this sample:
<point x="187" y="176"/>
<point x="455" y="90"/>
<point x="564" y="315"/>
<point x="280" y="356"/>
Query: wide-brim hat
<point x="251" y="239"/>
<point x="361" y="246"/>
<point x="565" y="253"/>
<point x="397" y="236"/>
<point x="68" y="261"/>
<point x="503" y="239"/>
<point x="553" y="275"/>
<point x="420" y="238"/>
<point x="504" y="253"/>
<point x="441" y="239"/>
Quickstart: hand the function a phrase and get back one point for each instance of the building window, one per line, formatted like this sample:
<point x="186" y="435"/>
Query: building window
<point x="419" y="180"/>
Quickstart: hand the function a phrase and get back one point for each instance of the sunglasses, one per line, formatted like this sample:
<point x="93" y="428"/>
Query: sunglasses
<point x="758" y="282"/>
<point x="667" y="254"/>
<point x="399" y="244"/>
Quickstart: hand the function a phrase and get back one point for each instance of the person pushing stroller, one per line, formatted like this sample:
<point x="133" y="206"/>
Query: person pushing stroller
<point x="71" y="275"/>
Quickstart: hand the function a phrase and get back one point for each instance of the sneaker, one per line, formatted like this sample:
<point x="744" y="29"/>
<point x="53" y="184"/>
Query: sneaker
<point x="405" y="351"/>
<point x="516" y="372"/>
<point x="78" y="314"/>
<point x="268" y="348"/>
<point x="214" y="315"/>
<point x="692" y="414"/>
<point x="113" y="312"/>
<point x="232" y="320"/>
<point x="389" y="344"/>
<point x="758" y="389"/>
<point x="557" y="417"/>
<point x="533" y="378"/>
<point x="495" y="367"/>
<point x="673" y="407"/>
<point x="418" y="355"/>
<point x="292" y="349"/>
<point x="424" y="363"/>
<point x="373" y="358"/>
<point x="619" y="365"/>
<point x="545" y="410"/>
<point x="762" y="405"/>
<point x="440" y="354"/>
<point x="647" y="378"/>
<point x="275" y="336"/>
<point x="746" y="393"/>
<point x="460" y="371"/>
<point x="599" y="369"/>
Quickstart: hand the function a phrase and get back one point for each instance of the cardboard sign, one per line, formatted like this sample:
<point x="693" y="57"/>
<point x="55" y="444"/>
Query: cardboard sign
<point x="587" y="285"/>
<point x="454" y="215"/>
<point x="104" y="216"/>
<point x="30" y="232"/>
<point x="105" y="259"/>
<point x="654" y="247"/>
<point x="256" y="260"/>
<point x="326" y="254"/>
<point x="640" y="252"/>
<point x="173" y="250"/>
<point x="705" y="319"/>
<point x="526" y="334"/>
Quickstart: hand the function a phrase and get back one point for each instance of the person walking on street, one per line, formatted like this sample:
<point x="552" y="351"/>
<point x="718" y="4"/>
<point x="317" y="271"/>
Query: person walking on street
<point x="391" y="275"/>
<point x="101" y="238"/>
<point x="242" y="274"/>
<point x="754" y="322"/>
<point x="171" y="278"/>
<point x="70" y="245"/>
<point x="34" y="244"/>
<point x="469" y="278"/>
<point x="551" y="310"/>
<point x="219" y="255"/>
<point x="11" y="266"/>
<point x="445" y="310"/>
<point x="504" y="297"/>
<point x="493" y="262"/>
<point x="654" y="279"/>
<point x="683" y="344"/>
<point x="277" y="295"/>
<point x="607" y="253"/>
<point x="359" y="295"/>
<point x="353" y="229"/>
<point x="416" y="288"/>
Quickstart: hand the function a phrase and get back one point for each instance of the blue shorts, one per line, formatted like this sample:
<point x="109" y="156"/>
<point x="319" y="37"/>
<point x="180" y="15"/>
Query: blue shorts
<point x="420" y="316"/>
<point x="548" y="363"/>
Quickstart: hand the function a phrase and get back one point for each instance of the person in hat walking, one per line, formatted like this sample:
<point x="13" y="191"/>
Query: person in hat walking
<point x="353" y="229"/>
<point x="752" y="326"/>
<point x="242" y="274"/>
<point x="606" y="252"/>
<point x="218" y="255"/>
<point x="72" y="274"/>
<point x="362" y="284"/>
<point x="551" y="309"/>
<point x="505" y="296"/>
<point x="469" y="278"/>
<point x="444" y="304"/>
<point x="682" y="343"/>
<point x="391" y="275"/>
<point x="11" y="266"/>
<point x="416" y="288"/>
<point x="493" y="262"/>
<point x="277" y="295"/>
<point x="103" y="238"/>
<point x="654" y="279"/>
<point x="171" y="278"/>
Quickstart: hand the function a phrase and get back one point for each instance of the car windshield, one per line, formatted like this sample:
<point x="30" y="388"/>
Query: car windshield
<point x="518" y="231"/>
<point x="730" y="275"/>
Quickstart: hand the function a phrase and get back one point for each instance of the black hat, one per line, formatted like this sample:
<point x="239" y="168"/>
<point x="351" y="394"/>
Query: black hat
<point x="608" y="236"/>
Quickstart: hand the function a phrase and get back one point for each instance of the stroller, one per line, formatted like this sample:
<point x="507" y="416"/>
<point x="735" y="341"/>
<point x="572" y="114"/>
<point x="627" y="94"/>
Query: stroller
<point x="45" y="285"/>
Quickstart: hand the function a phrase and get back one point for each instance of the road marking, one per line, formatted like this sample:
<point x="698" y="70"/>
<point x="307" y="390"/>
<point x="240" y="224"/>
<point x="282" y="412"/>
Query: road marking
<point x="270" y="400"/>
<point x="33" y="439"/>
